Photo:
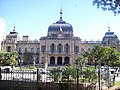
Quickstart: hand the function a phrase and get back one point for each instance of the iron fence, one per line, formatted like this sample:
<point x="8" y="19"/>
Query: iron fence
<point x="35" y="80"/>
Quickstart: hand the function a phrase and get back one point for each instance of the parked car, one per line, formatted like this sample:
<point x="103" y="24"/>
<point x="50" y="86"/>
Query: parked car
<point x="6" y="69"/>
<point x="117" y="72"/>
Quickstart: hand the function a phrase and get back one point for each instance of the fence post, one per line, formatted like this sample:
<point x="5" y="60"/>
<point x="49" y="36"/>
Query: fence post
<point x="99" y="82"/>
<point x="0" y="74"/>
<point x="77" y="78"/>
<point x="37" y="75"/>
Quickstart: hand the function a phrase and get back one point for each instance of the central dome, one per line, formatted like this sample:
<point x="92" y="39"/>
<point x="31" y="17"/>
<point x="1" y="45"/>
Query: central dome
<point x="60" y="25"/>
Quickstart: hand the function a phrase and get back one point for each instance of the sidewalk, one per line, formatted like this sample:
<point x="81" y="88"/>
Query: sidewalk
<point x="112" y="88"/>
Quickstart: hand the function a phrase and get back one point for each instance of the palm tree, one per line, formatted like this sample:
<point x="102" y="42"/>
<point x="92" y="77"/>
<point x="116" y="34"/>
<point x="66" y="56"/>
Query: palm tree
<point x="55" y="74"/>
<point x="95" y="55"/>
<point x="69" y="71"/>
<point x="90" y="74"/>
<point x="81" y="61"/>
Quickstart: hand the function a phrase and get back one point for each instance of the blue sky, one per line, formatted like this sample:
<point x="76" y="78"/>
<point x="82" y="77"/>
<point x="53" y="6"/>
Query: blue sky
<point x="33" y="17"/>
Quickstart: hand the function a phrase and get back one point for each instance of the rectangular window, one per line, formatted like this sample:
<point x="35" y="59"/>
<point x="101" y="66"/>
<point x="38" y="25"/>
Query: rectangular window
<point x="43" y="60"/>
<point x="38" y="50"/>
<point x="59" y="50"/>
<point x="76" y="49"/>
<point x="19" y="50"/>
<point x="25" y="50"/>
<point x="32" y="50"/>
<point x="67" y="49"/>
<point x="43" y="49"/>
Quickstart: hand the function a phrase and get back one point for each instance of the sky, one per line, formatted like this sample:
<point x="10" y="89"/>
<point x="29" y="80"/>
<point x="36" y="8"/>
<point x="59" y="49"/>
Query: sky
<point x="33" y="17"/>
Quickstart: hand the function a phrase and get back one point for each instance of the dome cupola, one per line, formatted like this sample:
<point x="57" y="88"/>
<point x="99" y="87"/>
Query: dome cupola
<point x="60" y="25"/>
<point x="110" y="37"/>
<point x="109" y="34"/>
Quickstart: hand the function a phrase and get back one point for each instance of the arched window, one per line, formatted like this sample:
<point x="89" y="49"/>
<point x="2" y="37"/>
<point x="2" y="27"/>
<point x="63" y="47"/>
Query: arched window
<point x="52" y="60"/>
<point x="59" y="61"/>
<point x="52" y="48"/>
<point x="67" y="48"/>
<point x="66" y="60"/>
<point x="8" y="49"/>
<point x="59" y="48"/>
<point x="43" y="49"/>
<point x="37" y="60"/>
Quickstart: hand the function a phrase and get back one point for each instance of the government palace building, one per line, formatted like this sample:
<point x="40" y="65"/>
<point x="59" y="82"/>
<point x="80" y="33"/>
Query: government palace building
<point x="59" y="47"/>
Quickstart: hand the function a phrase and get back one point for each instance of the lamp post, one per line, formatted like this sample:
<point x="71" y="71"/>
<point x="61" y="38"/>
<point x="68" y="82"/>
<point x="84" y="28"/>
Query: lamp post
<point x="77" y="78"/>
<point x="34" y="61"/>
<point x="46" y="64"/>
<point x="20" y="62"/>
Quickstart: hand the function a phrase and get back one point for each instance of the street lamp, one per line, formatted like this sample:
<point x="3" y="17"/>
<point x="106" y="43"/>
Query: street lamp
<point x="20" y="62"/>
<point x="46" y="64"/>
<point x="34" y="61"/>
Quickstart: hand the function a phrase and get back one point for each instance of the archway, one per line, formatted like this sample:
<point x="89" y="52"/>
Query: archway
<point x="66" y="60"/>
<point x="52" y="60"/>
<point x="59" y="61"/>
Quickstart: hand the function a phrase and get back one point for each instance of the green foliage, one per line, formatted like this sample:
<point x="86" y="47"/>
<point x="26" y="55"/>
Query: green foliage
<point x="27" y="57"/>
<point x="95" y="54"/>
<point x="90" y="74"/>
<point x="111" y="57"/>
<point x="14" y="54"/>
<point x="105" y="55"/>
<point x="71" y="71"/>
<point x="117" y="83"/>
<point x="1" y="57"/>
<point x="81" y="61"/>
<point x="55" y="74"/>
<point x="9" y="58"/>
<point x="112" y="5"/>
<point x="29" y="68"/>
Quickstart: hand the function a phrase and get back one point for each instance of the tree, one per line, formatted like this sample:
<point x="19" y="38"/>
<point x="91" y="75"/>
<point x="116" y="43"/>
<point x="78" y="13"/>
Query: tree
<point x="14" y="54"/>
<point x="111" y="57"/>
<point x="70" y="71"/>
<point x="1" y="58"/>
<point x="95" y="55"/>
<point x="27" y="57"/>
<point x="9" y="58"/>
<point x="81" y="61"/>
<point x="112" y="5"/>
<point x="90" y="74"/>
<point x="6" y="60"/>
<point x="55" y="74"/>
